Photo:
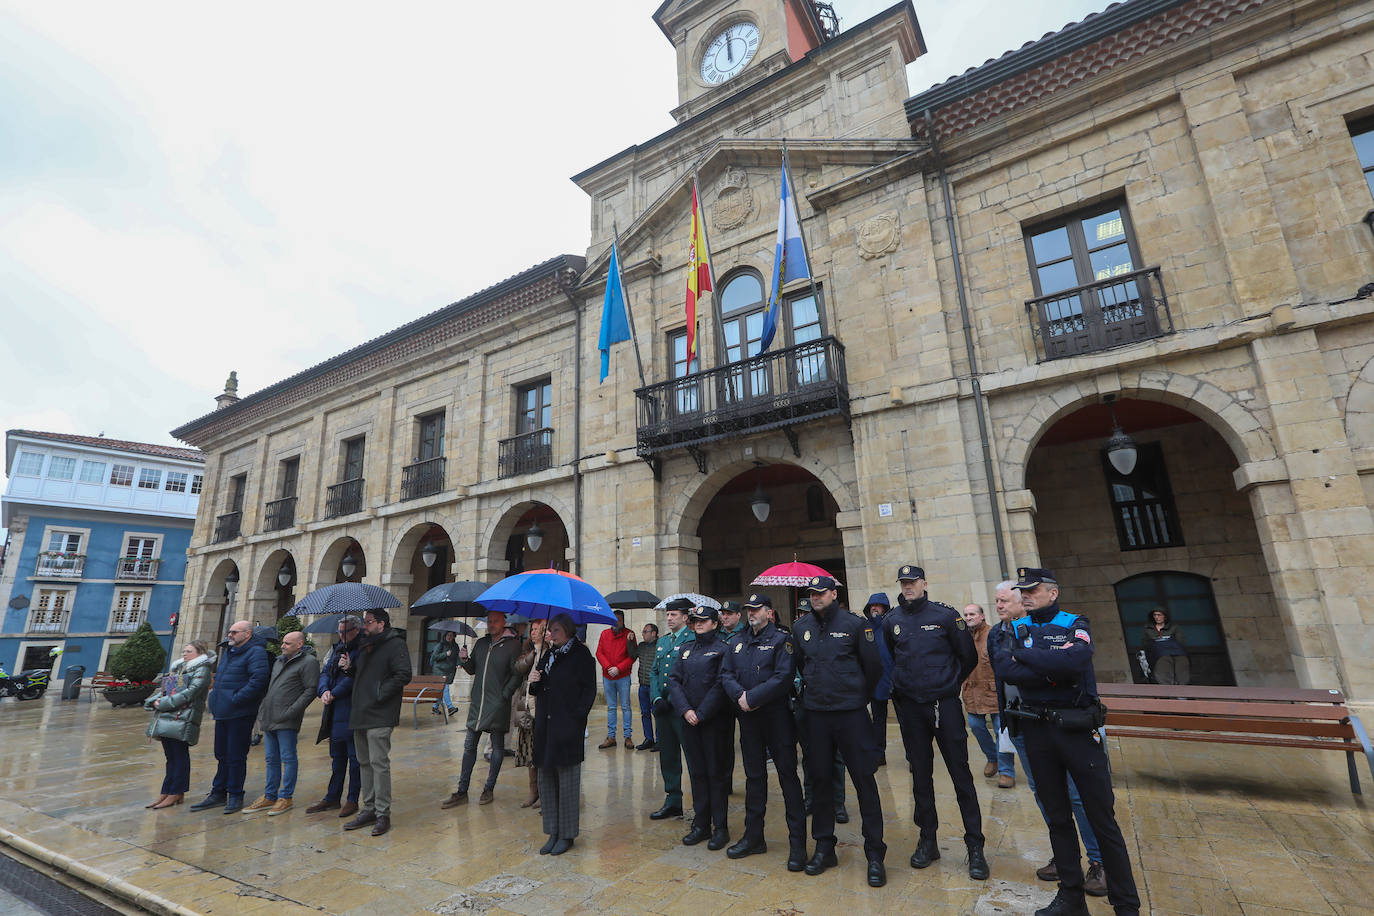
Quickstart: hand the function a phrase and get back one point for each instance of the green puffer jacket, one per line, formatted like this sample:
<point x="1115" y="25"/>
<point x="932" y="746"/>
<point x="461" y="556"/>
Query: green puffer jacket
<point x="178" y="714"/>
<point x="494" y="681"/>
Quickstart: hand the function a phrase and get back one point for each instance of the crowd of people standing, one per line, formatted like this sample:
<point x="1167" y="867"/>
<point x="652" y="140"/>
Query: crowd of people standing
<point x="1022" y="683"/>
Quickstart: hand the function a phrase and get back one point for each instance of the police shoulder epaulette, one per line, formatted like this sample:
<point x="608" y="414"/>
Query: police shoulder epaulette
<point x="1064" y="619"/>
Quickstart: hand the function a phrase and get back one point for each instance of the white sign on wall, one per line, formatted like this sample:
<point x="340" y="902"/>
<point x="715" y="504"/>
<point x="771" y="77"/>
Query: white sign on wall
<point x="884" y="510"/>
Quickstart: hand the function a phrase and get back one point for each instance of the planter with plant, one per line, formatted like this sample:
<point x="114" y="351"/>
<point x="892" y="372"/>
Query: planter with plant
<point x="135" y="666"/>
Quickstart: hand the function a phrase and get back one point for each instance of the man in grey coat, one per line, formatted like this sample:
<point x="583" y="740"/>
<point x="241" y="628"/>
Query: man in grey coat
<point x="290" y="690"/>
<point x="381" y="670"/>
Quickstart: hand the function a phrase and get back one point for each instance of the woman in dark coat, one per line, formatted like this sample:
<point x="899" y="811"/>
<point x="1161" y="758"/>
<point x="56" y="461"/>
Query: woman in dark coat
<point x="695" y="687"/>
<point x="178" y="708"/>
<point x="564" y="687"/>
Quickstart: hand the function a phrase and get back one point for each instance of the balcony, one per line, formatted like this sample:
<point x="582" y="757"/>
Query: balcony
<point x="136" y="569"/>
<point x="47" y="622"/>
<point x="126" y="621"/>
<point x="423" y="478"/>
<point x="279" y="514"/>
<point x="344" y="498"/>
<point x="54" y="564"/>
<point x="779" y="388"/>
<point x="526" y="453"/>
<point x="1100" y="316"/>
<point x="227" y="527"/>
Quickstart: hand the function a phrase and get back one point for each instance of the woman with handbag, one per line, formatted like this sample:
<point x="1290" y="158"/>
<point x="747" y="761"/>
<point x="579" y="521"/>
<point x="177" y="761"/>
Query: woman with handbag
<point x="177" y="710"/>
<point x="522" y="710"/>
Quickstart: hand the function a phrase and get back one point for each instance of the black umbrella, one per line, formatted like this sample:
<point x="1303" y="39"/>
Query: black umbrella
<point x="344" y="598"/>
<point x="452" y="599"/>
<point x="631" y="598"/>
<point x="326" y="624"/>
<point x="453" y="626"/>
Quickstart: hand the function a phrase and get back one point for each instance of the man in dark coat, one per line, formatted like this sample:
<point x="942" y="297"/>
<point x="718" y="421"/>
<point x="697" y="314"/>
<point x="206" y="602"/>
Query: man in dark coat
<point x="290" y="689"/>
<point x="381" y="670"/>
<point x="335" y="690"/>
<point x="240" y="683"/>
<point x="494" y="682"/>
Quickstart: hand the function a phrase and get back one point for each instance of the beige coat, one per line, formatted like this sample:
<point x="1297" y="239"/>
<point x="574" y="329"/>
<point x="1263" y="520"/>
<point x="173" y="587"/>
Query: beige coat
<point x="980" y="690"/>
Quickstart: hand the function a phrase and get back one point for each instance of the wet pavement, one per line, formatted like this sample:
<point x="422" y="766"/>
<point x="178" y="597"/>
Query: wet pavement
<point x="1213" y="830"/>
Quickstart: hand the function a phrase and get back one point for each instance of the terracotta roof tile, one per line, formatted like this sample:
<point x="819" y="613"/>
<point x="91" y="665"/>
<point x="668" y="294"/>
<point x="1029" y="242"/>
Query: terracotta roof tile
<point x="121" y="445"/>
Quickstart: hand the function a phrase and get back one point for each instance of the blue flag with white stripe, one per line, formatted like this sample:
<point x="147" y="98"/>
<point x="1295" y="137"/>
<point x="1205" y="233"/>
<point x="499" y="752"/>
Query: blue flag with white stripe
<point x="789" y="260"/>
<point x="615" y="326"/>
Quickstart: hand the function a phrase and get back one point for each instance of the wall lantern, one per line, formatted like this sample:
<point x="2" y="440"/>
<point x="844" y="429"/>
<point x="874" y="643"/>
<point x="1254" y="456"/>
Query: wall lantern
<point x="534" y="538"/>
<point x="429" y="554"/>
<point x="284" y="574"/>
<point x="231" y="583"/>
<point x="349" y="566"/>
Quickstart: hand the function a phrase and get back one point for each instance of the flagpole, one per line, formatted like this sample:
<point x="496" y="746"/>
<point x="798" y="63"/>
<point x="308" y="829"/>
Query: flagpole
<point x="629" y="312"/>
<point x="810" y="270"/>
<point x="710" y="267"/>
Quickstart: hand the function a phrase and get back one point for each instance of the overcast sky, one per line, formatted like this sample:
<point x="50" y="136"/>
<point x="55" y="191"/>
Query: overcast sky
<point x="188" y="188"/>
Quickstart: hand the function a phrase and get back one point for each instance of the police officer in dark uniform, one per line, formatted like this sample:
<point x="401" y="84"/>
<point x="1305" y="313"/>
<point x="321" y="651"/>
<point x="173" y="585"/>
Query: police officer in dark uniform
<point x="1048" y="656"/>
<point x="840" y="666"/>
<point x="932" y="654"/>
<point x="758" y="679"/>
<point x="699" y="698"/>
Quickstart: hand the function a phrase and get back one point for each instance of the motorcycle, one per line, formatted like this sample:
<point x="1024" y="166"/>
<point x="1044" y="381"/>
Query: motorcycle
<point x="26" y="685"/>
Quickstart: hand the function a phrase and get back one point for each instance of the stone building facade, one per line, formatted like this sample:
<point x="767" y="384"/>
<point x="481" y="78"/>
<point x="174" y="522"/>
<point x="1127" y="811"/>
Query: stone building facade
<point x="1153" y="218"/>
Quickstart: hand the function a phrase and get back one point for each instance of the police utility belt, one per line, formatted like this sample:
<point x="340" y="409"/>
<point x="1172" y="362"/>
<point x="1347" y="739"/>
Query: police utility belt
<point x="1069" y="718"/>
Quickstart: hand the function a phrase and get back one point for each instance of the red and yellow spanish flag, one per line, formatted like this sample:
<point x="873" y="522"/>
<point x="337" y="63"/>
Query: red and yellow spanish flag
<point x="698" y="274"/>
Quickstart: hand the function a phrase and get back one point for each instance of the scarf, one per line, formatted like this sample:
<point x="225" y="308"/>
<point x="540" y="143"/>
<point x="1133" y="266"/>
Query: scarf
<point x="553" y="655"/>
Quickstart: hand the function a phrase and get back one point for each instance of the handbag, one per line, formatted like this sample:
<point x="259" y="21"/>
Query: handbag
<point x="524" y="718"/>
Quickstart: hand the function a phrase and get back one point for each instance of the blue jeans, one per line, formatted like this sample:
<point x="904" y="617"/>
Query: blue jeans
<point x="343" y="760"/>
<point x="617" y="693"/>
<point x="281" y="764"/>
<point x="1006" y="761"/>
<point x="646" y="712"/>
<point x="1085" y="830"/>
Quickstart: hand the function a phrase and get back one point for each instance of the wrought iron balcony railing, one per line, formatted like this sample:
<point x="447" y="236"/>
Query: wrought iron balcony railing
<point x="136" y="568"/>
<point x="1102" y="315"/>
<point x="344" y="498"/>
<point x="227" y="527"/>
<point x="525" y="454"/>
<point x="48" y="621"/>
<point x="423" y="478"/>
<point x="58" y="565"/>
<point x="126" y="622"/>
<point x="279" y="514"/>
<point x="774" y="389"/>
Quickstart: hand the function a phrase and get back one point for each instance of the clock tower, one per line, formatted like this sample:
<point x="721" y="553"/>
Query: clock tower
<point x="724" y="46"/>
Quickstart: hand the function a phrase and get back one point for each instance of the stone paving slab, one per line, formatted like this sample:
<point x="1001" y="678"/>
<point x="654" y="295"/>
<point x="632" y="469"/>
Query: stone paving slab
<point x="1222" y="830"/>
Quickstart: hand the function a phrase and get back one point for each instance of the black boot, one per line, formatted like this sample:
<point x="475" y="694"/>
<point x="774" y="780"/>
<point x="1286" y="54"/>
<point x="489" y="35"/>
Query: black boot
<point x="719" y="839"/>
<point x="748" y="847"/>
<point x="926" y="852"/>
<point x="977" y="862"/>
<point x="668" y="810"/>
<point x="796" y="859"/>
<point x="213" y="800"/>
<point x="841" y="814"/>
<point x="697" y="835"/>
<point x="1066" y="903"/>
<point x="823" y="859"/>
<point x="877" y="874"/>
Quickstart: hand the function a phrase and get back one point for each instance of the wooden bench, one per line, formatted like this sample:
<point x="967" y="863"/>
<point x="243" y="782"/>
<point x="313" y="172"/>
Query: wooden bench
<point x="1261" y="716"/>
<point x="425" y="687"/>
<point x="98" y="681"/>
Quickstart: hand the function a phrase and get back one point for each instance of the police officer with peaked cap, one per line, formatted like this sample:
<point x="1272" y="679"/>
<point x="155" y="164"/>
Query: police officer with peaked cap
<point x="840" y="666"/>
<point x="1049" y="658"/>
<point x="932" y="654"/>
<point x="669" y="724"/>
<point x="758" y="679"/>
<point x="699" y="699"/>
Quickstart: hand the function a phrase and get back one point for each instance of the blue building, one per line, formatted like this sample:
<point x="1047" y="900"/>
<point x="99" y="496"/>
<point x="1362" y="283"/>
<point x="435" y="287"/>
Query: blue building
<point x="98" y="531"/>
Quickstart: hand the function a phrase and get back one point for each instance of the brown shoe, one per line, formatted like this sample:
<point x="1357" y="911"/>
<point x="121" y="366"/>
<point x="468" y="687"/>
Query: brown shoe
<point x="454" y="800"/>
<point x="1095" y="882"/>
<point x="262" y="804"/>
<point x="990" y="769"/>
<point x="323" y="804"/>
<point x="629" y="744"/>
<point x="362" y="820"/>
<point x="282" y="806"/>
<point x="609" y="742"/>
<point x="158" y="801"/>
<point x="1006" y="782"/>
<point x="486" y="797"/>
<point x="382" y="826"/>
<point x="348" y="809"/>
<point x="1048" y="872"/>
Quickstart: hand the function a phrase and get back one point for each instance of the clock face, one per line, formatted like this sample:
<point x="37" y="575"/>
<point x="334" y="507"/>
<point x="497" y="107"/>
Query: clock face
<point x="729" y="52"/>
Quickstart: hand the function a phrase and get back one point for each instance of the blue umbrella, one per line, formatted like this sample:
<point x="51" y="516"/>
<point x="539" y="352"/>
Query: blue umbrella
<point x="545" y="593"/>
<point x="327" y="624"/>
<point x="345" y="598"/>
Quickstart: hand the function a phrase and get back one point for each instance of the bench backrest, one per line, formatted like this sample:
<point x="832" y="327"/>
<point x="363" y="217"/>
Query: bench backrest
<point x="1252" y="710"/>
<point x="423" y="681"/>
<point x="1237" y="694"/>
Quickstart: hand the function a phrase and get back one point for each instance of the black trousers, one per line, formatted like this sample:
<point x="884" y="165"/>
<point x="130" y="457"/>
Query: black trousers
<point x="837" y="767"/>
<point x="1054" y="755"/>
<point x="943" y="724"/>
<point x="772" y="729"/>
<point x="730" y="714"/>
<point x="851" y="733"/>
<point x="232" y="737"/>
<point x="705" y="747"/>
<point x="878" y="709"/>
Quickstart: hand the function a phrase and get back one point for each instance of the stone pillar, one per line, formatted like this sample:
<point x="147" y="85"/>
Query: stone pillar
<point x="679" y="563"/>
<point x="491" y="569"/>
<point x="259" y="607"/>
<point x="1025" y="548"/>
<point x="1318" y="531"/>
<point x="202" y="621"/>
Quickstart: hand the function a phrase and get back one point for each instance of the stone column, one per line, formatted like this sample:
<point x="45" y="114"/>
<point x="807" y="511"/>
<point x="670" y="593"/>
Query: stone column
<point x="1025" y="548"/>
<point x="679" y="563"/>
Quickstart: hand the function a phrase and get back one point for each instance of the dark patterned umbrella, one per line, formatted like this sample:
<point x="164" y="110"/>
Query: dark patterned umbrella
<point x="452" y="599"/>
<point x="345" y="598"/>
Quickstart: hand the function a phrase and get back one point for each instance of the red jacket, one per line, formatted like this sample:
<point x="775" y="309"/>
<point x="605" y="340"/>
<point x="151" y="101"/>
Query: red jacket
<point x="617" y="652"/>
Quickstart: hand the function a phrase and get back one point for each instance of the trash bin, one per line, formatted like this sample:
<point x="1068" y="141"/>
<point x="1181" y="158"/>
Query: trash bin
<point x="71" y="682"/>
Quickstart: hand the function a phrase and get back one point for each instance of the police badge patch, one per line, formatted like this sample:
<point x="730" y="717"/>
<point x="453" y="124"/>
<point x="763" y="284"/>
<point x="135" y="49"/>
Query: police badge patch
<point x="1028" y="642"/>
<point x="807" y="637"/>
<point x="686" y="653"/>
<point x="788" y="646"/>
<point x="738" y="646"/>
<point x="897" y="629"/>
<point x="960" y="624"/>
<point x="868" y="634"/>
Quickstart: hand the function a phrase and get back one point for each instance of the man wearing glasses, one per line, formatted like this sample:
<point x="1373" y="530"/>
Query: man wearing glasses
<point x="336" y="692"/>
<point x="381" y="669"/>
<point x="240" y="683"/>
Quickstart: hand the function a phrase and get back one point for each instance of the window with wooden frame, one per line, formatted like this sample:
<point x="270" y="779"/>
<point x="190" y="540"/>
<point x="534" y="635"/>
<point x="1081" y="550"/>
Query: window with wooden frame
<point x="1143" y="502"/>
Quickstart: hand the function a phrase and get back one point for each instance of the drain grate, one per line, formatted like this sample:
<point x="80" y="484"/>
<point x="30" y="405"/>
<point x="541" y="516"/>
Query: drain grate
<point x="43" y="893"/>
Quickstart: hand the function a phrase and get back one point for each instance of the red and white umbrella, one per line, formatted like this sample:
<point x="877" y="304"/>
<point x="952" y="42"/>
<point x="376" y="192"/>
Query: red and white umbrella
<point x="795" y="574"/>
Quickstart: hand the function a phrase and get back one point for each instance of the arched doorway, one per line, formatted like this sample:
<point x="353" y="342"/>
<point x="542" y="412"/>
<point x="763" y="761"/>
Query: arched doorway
<point x="531" y="535"/>
<point x="1111" y="537"/>
<point x="343" y="561"/>
<point x="799" y="522"/>
<point x="1188" y="600"/>
<point x="424" y="557"/>
<point x="220" y="600"/>
<point x="277" y="577"/>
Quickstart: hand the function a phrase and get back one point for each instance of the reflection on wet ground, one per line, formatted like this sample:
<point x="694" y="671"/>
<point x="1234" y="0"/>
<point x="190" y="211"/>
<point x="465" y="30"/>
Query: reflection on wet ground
<point x="1214" y="830"/>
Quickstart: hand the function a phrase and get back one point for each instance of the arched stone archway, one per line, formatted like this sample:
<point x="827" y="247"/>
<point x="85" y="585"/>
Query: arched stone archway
<point x="276" y="599"/>
<point x="328" y="571"/>
<point x="404" y="542"/>
<point x="514" y="516"/>
<point x="216" y="604"/>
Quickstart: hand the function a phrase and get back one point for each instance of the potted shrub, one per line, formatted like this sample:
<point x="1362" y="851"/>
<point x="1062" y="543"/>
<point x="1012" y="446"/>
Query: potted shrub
<point x="136" y="665"/>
